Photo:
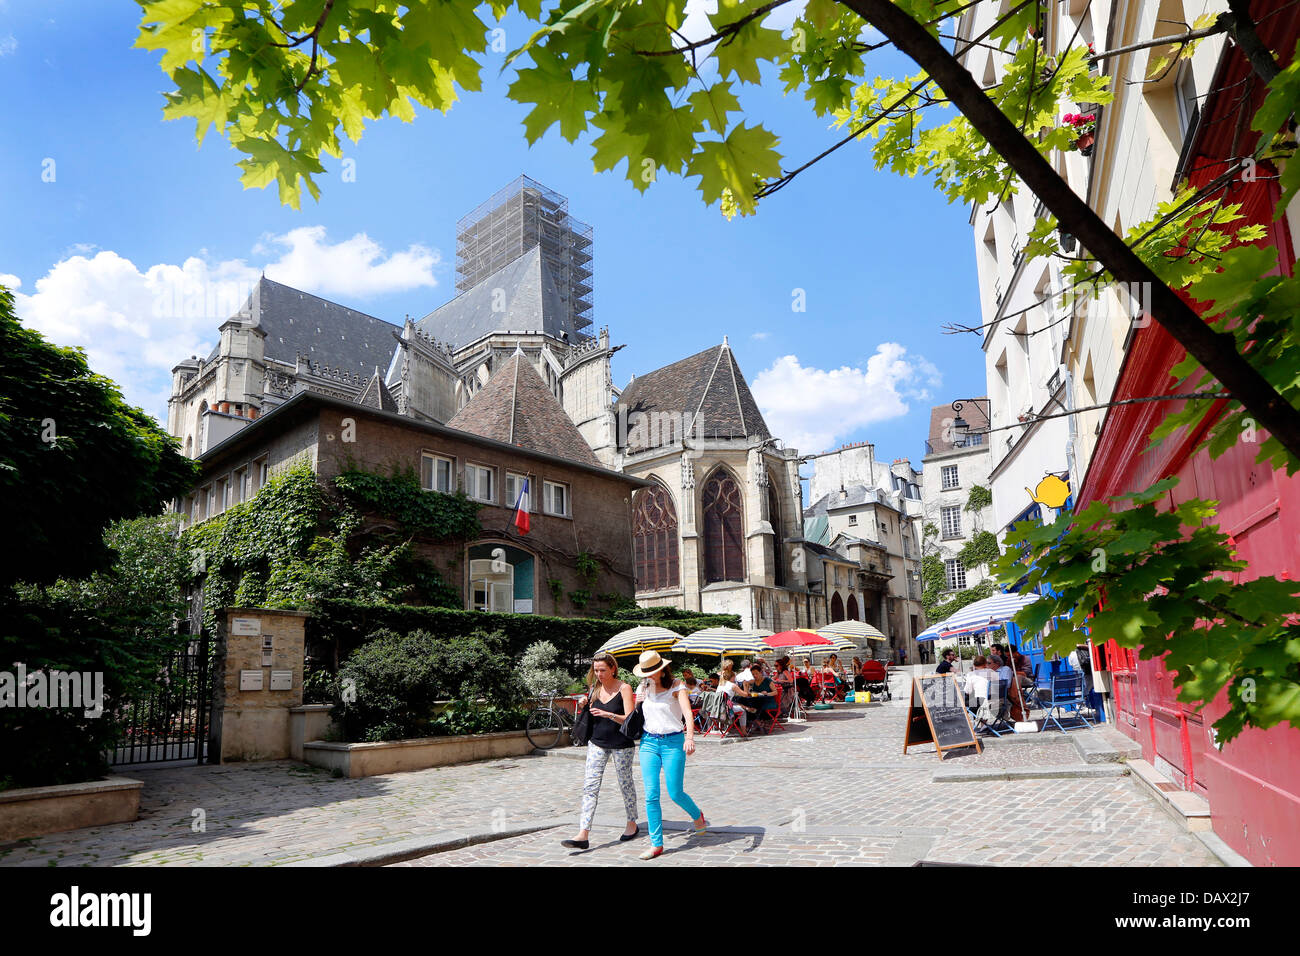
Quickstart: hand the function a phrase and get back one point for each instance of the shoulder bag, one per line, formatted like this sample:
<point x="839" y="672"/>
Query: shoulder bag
<point x="581" y="732"/>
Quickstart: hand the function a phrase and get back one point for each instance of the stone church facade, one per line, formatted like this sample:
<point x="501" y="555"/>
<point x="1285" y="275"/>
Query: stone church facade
<point x="719" y="525"/>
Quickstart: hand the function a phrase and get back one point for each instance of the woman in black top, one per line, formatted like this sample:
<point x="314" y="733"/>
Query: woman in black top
<point x="762" y="686"/>
<point x="611" y="702"/>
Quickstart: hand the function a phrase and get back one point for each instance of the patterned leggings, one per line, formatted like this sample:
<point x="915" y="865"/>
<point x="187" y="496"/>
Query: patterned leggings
<point x="597" y="758"/>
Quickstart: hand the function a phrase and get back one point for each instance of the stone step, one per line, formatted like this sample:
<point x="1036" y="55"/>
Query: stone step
<point x="1189" y="810"/>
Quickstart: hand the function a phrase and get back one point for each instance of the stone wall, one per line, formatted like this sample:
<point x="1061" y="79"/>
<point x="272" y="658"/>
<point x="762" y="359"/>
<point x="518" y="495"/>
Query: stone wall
<point x="250" y="714"/>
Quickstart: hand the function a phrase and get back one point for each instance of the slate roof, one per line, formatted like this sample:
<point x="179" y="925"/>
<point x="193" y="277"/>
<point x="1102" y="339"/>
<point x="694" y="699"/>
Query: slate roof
<point x="377" y="395"/>
<point x="521" y="296"/>
<point x="325" y="332"/>
<point x="707" y="388"/>
<point x="516" y="407"/>
<point x="972" y="410"/>
<point x="854" y="495"/>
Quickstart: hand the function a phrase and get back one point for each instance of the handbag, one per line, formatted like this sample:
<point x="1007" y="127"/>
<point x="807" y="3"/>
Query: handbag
<point x="581" y="732"/>
<point x="634" y="726"/>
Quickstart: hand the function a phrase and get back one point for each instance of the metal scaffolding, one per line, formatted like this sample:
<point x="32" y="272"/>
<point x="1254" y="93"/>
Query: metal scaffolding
<point x="518" y="217"/>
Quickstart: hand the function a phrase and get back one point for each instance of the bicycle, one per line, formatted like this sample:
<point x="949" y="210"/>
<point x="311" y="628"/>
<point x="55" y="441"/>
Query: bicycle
<point x="546" y="724"/>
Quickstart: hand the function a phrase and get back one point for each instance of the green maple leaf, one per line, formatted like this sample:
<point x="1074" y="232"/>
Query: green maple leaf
<point x="558" y="98"/>
<point x="748" y="153"/>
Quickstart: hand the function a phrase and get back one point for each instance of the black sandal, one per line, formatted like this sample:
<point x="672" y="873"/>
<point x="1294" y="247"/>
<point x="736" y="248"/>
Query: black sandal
<point x="576" y="844"/>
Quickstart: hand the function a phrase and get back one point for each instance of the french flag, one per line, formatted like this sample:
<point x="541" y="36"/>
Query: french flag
<point x="521" y="509"/>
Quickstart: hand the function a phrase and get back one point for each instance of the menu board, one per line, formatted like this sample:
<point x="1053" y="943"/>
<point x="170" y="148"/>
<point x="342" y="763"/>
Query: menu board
<point x="938" y="715"/>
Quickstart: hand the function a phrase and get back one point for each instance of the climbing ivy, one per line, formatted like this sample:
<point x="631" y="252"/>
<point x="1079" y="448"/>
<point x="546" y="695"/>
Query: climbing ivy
<point x="297" y="540"/>
<point x="979" y="499"/>
<point x="982" y="548"/>
<point x="400" y="497"/>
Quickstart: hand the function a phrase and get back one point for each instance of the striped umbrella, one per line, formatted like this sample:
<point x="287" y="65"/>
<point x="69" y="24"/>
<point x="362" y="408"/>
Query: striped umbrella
<point x="855" y="630"/>
<point x="721" y="641"/>
<point x="638" y="639"/>
<point x="991" y="612"/>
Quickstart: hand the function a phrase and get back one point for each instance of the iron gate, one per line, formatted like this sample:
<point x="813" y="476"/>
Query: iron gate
<point x="173" y="721"/>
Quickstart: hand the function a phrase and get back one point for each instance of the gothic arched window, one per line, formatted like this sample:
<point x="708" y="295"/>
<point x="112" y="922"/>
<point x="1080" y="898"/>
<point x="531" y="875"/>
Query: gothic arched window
<point x="654" y="534"/>
<point x="724" y="549"/>
<point x="837" y="608"/>
<point x="778" y="542"/>
<point x="851" y="611"/>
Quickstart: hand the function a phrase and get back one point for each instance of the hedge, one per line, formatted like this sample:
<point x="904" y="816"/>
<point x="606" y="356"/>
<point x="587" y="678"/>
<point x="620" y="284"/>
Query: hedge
<point x="344" y="625"/>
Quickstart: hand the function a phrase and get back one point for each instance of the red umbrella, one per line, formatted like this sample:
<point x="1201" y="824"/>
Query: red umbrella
<point x="796" y="638"/>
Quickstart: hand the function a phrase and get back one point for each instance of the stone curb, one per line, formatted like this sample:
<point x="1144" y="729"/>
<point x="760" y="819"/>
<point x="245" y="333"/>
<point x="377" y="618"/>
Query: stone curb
<point x="1080" y="771"/>
<point x="1225" y="854"/>
<point x="400" y="850"/>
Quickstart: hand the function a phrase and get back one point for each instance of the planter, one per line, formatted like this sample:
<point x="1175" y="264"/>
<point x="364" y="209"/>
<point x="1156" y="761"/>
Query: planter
<point x="421" y="753"/>
<point x="1085" y="143"/>
<point x="33" y="811"/>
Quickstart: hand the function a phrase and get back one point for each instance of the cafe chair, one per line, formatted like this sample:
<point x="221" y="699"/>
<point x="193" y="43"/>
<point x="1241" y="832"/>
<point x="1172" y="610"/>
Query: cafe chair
<point x="991" y="710"/>
<point x="766" y="720"/>
<point x="1067" y="700"/>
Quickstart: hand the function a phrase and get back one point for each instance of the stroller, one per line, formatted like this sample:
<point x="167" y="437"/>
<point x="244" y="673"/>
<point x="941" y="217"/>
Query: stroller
<point x="875" y="679"/>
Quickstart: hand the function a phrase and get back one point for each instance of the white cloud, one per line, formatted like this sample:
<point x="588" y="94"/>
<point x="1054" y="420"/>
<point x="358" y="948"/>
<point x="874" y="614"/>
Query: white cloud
<point x="8" y="44"/>
<point x="760" y="335"/>
<point x="356" y="266"/>
<point x="11" y="281"/>
<point x="812" y="409"/>
<point x="135" y="324"/>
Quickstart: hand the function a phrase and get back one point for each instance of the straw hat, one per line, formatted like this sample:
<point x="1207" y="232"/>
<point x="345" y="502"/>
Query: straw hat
<point x="650" y="663"/>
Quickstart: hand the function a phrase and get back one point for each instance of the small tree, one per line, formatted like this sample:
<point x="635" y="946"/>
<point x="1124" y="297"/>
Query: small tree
<point x="539" y="673"/>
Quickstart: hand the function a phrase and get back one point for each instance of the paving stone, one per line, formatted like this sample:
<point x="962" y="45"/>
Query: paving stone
<point x="836" y="789"/>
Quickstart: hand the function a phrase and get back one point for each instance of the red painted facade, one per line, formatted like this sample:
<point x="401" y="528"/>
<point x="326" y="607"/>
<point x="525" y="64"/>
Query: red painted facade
<point x="1252" y="784"/>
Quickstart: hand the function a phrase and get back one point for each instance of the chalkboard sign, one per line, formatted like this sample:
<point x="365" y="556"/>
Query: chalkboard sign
<point x="938" y="715"/>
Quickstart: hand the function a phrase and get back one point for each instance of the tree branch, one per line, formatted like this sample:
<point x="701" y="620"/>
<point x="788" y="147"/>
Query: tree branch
<point x="1216" y="351"/>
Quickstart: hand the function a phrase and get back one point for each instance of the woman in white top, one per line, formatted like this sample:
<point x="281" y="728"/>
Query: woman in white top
<point x="665" y="742"/>
<point x="727" y="685"/>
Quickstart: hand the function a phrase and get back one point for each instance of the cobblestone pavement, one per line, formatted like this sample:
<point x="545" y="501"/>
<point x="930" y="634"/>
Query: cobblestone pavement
<point x="837" y="789"/>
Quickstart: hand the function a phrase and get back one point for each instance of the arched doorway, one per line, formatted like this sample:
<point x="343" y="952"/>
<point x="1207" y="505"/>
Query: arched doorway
<point x="837" y="608"/>
<point x="851" y="609"/>
<point x="724" y="551"/>
<point x="654" y="537"/>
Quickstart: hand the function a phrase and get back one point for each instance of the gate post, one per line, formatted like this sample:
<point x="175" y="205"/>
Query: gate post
<point x="258" y="679"/>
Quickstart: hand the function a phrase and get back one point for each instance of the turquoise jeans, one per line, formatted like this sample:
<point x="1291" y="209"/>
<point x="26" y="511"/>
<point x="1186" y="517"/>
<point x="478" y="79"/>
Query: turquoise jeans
<point x="666" y="754"/>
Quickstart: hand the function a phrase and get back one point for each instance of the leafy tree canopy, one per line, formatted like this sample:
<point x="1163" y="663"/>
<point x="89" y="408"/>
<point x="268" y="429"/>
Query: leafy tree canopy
<point x="74" y="457"/>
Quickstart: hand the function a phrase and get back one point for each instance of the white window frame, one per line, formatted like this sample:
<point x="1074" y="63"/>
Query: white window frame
<point x="949" y="470"/>
<point x="473" y="472"/>
<point x="950" y="528"/>
<point x="433" y="472"/>
<point x="513" y="481"/>
<point x="239" y="486"/>
<point x="954" y="574"/>
<point x="547" y="499"/>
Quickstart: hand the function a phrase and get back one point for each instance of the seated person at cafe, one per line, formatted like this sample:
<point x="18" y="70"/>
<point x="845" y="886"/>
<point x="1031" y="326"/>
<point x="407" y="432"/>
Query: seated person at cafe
<point x="978" y="680"/>
<point x="949" y="662"/>
<point x="727" y="685"/>
<point x="857" y="674"/>
<point x="803" y="681"/>
<point x="763" y="688"/>
<point x="693" y="690"/>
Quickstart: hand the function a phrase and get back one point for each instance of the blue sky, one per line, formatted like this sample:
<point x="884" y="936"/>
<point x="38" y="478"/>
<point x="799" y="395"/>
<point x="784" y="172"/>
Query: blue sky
<point x="883" y="262"/>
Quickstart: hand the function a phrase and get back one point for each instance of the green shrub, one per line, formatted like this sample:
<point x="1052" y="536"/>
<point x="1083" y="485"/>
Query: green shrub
<point x="467" y="717"/>
<point x="394" y="680"/>
<point x="345" y="624"/>
<point x="44" y="746"/>
<point x="537" y="670"/>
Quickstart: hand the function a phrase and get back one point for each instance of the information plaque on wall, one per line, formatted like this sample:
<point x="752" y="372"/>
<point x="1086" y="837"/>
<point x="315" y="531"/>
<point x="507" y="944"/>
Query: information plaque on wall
<point x="246" y="626"/>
